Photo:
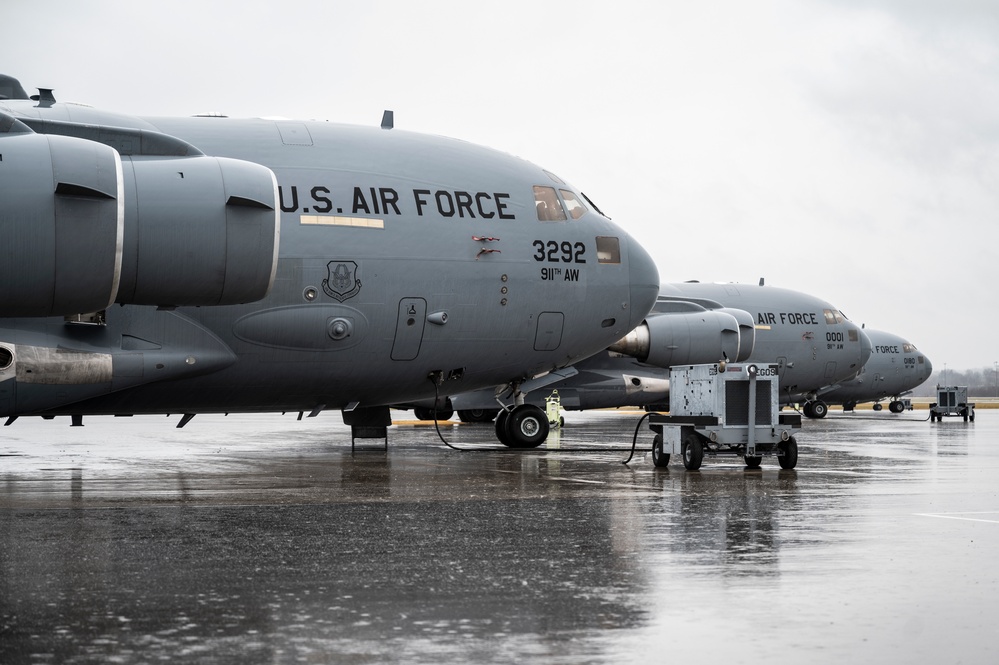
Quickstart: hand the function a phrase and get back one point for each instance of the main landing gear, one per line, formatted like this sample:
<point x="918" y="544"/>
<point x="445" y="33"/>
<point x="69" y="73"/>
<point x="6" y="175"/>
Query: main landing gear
<point x="477" y="415"/>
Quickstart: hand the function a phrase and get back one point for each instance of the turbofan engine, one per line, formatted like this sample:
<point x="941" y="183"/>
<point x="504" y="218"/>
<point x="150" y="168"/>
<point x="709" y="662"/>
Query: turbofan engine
<point x="85" y="227"/>
<point x="690" y="338"/>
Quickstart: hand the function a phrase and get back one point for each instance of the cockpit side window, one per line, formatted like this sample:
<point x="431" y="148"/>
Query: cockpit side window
<point x="833" y="316"/>
<point x="908" y="348"/>
<point x="573" y="204"/>
<point x="608" y="249"/>
<point x="549" y="207"/>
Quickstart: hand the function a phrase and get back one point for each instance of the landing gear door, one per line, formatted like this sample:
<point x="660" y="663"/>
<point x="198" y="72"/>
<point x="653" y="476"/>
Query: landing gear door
<point x="409" y="328"/>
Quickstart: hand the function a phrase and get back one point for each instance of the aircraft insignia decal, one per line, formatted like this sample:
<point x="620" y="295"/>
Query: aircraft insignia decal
<point x="341" y="282"/>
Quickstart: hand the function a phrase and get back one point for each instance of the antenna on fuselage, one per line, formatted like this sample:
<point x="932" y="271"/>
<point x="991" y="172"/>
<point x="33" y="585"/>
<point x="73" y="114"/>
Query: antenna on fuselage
<point x="388" y="119"/>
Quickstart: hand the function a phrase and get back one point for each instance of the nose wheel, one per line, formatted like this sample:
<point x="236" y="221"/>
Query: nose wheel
<point x="524" y="426"/>
<point x="816" y="409"/>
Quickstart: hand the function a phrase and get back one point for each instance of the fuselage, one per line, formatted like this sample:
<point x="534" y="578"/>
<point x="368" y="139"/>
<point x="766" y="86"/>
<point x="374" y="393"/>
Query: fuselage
<point x="408" y="265"/>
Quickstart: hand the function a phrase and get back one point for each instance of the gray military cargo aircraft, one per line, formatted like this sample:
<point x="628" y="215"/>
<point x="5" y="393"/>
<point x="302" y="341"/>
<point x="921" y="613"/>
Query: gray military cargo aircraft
<point x="810" y="340"/>
<point x="896" y="367"/>
<point x="211" y="264"/>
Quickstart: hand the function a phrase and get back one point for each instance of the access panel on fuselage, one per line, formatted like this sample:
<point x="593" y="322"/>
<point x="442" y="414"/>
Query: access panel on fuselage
<point x="409" y="328"/>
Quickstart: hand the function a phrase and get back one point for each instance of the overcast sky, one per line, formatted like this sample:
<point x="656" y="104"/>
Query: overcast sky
<point x="846" y="149"/>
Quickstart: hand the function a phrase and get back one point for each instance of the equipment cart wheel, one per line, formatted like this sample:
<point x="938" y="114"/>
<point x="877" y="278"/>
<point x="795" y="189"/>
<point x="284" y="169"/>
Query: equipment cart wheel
<point x="659" y="458"/>
<point x="693" y="452"/>
<point x="753" y="461"/>
<point x="789" y="453"/>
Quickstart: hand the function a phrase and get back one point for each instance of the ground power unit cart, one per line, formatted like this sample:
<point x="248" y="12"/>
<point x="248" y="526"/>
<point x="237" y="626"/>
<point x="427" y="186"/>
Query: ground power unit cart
<point x="952" y="401"/>
<point x="724" y="409"/>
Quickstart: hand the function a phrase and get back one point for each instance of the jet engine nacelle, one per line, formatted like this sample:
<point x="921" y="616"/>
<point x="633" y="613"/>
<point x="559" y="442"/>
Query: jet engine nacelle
<point x="61" y="225"/>
<point x="198" y="231"/>
<point x="84" y="228"/>
<point x="747" y="332"/>
<point x="684" y="338"/>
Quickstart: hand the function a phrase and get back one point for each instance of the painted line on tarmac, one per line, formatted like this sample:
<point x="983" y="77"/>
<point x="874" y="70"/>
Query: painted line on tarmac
<point x="960" y="516"/>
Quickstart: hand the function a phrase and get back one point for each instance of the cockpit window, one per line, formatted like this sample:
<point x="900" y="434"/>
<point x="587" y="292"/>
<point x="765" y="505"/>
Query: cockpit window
<point x="834" y="316"/>
<point x="908" y="348"/>
<point x="608" y="249"/>
<point x="573" y="204"/>
<point x="549" y="207"/>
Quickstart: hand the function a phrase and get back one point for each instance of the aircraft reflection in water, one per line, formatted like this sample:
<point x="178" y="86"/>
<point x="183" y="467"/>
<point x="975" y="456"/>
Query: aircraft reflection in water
<point x="210" y="264"/>
<point x="810" y="340"/>
<point x="896" y="367"/>
<point x="728" y="521"/>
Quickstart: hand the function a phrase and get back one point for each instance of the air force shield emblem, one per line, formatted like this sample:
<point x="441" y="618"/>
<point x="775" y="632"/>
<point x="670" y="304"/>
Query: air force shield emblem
<point x="341" y="282"/>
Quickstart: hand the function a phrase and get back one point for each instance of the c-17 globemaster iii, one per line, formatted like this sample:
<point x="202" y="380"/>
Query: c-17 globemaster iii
<point x="895" y="367"/>
<point x="212" y="264"/>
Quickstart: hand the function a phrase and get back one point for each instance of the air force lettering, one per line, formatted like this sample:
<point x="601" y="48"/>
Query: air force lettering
<point x="341" y="282"/>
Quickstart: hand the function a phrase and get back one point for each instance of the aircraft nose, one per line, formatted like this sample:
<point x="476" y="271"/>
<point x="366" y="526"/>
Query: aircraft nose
<point x="644" y="277"/>
<point x="866" y="347"/>
<point x="927" y="367"/>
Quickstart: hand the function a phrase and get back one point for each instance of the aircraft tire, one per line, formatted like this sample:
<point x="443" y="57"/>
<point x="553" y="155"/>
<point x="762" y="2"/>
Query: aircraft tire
<point x="753" y="461"/>
<point x="500" y="425"/>
<point x="527" y="427"/>
<point x="659" y="458"/>
<point x="877" y="406"/>
<point x="896" y="407"/>
<point x="477" y="415"/>
<point x="819" y="409"/>
<point x="693" y="452"/>
<point x="424" y="413"/>
<point x="807" y="410"/>
<point x="789" y="456"/>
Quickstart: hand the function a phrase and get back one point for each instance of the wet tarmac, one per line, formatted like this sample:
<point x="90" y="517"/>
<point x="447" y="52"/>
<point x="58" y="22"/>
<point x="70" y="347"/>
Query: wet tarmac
<point x="247" y="539"/>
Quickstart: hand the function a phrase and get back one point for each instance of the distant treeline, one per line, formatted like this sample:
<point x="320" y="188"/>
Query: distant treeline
<point x="980" y="382"/>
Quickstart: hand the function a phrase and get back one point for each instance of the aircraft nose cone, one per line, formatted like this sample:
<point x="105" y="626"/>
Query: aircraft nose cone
<point x="927" y="367"/>
<point x="644" y="277"/>
<point x="866" y="347"/>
